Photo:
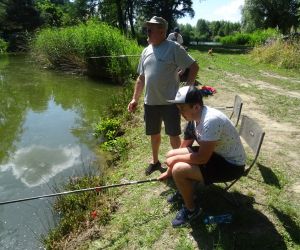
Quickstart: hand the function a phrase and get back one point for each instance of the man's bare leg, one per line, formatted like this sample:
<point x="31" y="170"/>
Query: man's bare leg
<point x="175" y="141"/>
<point x="155" y="143"/>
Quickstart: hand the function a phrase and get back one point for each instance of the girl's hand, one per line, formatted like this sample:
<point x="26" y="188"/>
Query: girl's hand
<point x="165" y="175"/>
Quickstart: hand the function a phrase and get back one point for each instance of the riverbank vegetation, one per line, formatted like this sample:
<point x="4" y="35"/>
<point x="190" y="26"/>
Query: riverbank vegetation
<point x="83" y="215"/>
<point x="93" y="48"/>
<point x="3" y="46"/>
<point x="281" y="53"/>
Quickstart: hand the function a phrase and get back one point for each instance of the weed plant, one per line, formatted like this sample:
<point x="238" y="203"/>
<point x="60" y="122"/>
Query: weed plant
<point x="79" y="211"/>
<point x="71" y="49"/>
<point x="283" y="54"/>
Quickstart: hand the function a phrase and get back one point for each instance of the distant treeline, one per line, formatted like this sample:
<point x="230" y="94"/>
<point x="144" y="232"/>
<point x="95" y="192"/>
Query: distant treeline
<point x="20" y="19"/>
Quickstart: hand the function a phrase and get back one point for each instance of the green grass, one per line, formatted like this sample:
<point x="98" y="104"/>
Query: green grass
<point x="239" y="72"/>
<point x="268" y="216"/>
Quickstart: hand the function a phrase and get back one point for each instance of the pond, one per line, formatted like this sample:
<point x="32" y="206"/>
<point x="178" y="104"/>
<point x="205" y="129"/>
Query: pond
<point x="46" y="137"/>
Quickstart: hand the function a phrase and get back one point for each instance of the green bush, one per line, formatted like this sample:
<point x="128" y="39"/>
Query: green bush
<point x="252" y="39"/>
<point x="3" y="46"/>
<point x="117" y="147"/>
<point x="71" y="48"/>
<point x="108" y="128"/>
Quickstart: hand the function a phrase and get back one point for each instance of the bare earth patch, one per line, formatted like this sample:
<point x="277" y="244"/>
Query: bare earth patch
<point x="262" y="85"/>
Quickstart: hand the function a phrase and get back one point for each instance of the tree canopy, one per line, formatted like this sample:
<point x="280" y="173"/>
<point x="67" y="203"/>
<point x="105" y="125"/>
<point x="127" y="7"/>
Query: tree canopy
<point x="258" y="14"/>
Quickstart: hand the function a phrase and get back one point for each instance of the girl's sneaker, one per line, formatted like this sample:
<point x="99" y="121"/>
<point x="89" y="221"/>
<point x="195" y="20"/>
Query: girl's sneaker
<point x="185" y="216"/>
<point x="176" y="197"/>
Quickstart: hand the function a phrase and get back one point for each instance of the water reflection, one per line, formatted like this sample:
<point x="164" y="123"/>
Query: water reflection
<point x="46" y="134"/>
<point x="37" y="164"/>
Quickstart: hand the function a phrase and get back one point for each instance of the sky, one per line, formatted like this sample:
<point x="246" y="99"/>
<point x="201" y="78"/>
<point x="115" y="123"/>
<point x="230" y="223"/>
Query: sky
<point x="215" y="10"/>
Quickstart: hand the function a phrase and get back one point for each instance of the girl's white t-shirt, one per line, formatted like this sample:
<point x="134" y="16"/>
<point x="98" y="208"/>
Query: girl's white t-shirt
<point x="216" y="126"/>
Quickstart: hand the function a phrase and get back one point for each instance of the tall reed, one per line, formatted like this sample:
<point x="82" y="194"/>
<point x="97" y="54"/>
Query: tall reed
<point x="283" y="54"/>
<point x="71" y="49"/>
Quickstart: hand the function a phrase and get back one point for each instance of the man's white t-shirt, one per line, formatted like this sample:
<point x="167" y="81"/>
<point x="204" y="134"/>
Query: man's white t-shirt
<point x="175" y="37"/>
<point x="159" y="64"/>
<point x="215" y="126"/>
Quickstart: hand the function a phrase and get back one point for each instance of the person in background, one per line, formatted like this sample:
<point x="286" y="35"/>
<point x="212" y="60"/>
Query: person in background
<point x="220" y="156"/>
<point x="158" y="75"/>
<point x="176" y="36"/>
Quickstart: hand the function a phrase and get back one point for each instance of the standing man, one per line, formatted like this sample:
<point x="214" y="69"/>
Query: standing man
<point x="158" y="74"/>
<point x="176" y="36"/>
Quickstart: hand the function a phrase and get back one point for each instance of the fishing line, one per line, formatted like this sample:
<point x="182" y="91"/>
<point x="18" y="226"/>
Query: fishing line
<point x="116" y="56"/>
<point x="97" y="189"/>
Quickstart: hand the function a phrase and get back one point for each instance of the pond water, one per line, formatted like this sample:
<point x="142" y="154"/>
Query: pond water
<point x="46" y="137"/>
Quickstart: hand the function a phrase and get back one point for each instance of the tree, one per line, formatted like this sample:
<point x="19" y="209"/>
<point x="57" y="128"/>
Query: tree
<point x="258" y="14"/>
<point x="21" y="15"/>
<point x="18" y="19"/>
<point x="202" y="30"/>
<point x="118" y="13"/>
<point x="187" y="33"/>
<point x="171" y="10"/>
<point x="51" y="14"/>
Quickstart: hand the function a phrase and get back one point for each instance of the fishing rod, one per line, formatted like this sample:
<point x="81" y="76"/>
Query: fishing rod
<point x="97" y="189"/>
<point x="227" y="107"/>
<point x="116" y="56"/>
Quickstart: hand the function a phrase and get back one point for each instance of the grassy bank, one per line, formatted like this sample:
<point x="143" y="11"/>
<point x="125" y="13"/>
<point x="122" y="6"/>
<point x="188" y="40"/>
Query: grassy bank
<point x="268" y="217"/>
<point x="83" y="49"/>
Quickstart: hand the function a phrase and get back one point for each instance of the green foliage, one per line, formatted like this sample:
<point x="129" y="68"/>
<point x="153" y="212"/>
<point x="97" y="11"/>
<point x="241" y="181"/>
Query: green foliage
<point x="20" y="16"/>
<point x="71" y="48"/>
<point x="257" y="14"/>
<point x="210" y="31"/>
<point x="76" y="209"/>
<point x="252" y="39"/>
<point x="117" y="147"/>
<point x="51" y="14"/>
<point x="3" y="46"/>
<point x="171" y="10"/>
<point x="117" y="106"/>
<point x="108" y="128"/>
<point x="284" y="54"/>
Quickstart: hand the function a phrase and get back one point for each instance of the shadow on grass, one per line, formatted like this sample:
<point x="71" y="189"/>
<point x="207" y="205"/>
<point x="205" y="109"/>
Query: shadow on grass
<point x="289" y="224"/>
<point x="250" y="229"/>
<point x="269" y="176"/>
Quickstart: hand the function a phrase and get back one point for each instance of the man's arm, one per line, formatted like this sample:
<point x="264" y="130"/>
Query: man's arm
<point x="138" y="89"/>
<point x="193" y="71"/>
